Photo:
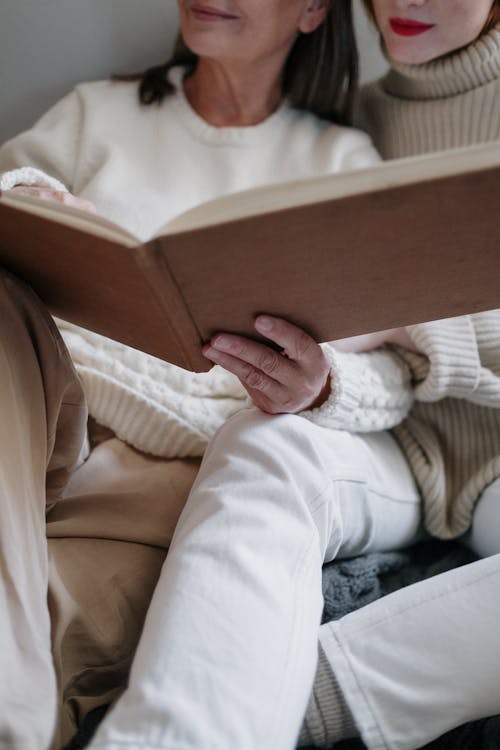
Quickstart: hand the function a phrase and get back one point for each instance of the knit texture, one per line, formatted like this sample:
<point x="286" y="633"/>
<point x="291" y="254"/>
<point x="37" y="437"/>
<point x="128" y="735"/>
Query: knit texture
<point x="452" y="434"/>
<point x="328" y="717"/>
<point x="446" y="103"/>
<point x="154" y="406"/>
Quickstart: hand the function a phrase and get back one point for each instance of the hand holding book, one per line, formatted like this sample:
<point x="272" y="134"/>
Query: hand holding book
<point x="287" y="381"/>
<point x="57" y="196"/>
<point x="361" y="251"/>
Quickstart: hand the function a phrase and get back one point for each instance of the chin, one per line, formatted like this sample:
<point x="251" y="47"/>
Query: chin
<point x="408" y="56"/>
<point x="204" y="45"/>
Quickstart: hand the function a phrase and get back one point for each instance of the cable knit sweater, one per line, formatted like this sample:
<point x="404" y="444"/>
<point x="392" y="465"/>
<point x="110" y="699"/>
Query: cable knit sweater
<point x="452" y="434"/>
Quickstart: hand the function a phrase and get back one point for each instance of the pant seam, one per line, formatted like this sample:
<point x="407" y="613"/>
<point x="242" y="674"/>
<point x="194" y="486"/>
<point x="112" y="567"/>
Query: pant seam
<point x="302" y="570"/>
<point x="427" y="600"/>
<point x="375" y="724"/>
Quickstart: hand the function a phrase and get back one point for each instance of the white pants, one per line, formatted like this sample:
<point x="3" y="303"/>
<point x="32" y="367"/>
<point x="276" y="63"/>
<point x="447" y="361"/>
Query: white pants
<point x="228" y="652"/>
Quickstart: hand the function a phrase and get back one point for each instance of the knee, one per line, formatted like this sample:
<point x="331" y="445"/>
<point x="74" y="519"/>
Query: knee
<point x="484" y="535"/>
<point x="280" y="456"/>
<point x="265" y="437"/>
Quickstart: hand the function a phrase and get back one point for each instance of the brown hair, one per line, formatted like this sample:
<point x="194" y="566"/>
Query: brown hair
<point x="491" y="21"/>
<point x="320" y="76"/>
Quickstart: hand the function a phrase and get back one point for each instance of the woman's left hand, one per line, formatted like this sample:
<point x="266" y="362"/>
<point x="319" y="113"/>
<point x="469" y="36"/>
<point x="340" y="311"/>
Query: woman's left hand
<point x="294" y="379"/>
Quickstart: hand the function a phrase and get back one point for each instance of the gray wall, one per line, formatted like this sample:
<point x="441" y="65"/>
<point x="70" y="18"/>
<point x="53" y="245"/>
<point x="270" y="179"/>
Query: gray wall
<point x="46" y="46"/>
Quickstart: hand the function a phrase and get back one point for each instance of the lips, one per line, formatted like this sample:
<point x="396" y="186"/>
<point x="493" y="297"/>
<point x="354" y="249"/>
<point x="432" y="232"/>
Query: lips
<point x="209" y="13"/>
<point x="408" y="27"/>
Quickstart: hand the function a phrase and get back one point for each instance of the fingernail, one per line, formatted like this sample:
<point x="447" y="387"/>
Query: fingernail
<point x="221" y="342"/>
<point x="209" y="352"/>
<point x="263" y="323"/>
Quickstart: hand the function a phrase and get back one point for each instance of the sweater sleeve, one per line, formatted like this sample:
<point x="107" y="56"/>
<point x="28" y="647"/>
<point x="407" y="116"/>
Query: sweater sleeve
<point x="463" y="359"/>
<point x="370" y="391"/>
<point x="47" y="154"/>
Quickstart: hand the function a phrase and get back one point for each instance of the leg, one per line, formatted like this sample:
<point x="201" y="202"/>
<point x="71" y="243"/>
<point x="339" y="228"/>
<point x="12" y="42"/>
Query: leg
<point x="228" y="652"/>
<point x="441" y="633"/>
<point x="423" y="660"/>
<point x="484" y="535"/>
<point x="37" y="386"/>
<point x="107" y="541"/>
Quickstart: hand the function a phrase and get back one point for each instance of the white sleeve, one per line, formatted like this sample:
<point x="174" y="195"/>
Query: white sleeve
<point x="47" y="154"/>
<point x="463" y="356"/>
<point x="370" y="391"/>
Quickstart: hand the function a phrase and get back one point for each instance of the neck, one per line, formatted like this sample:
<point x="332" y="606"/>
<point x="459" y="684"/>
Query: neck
<point x="232" y="95"/>
<point x="464" y="70"/>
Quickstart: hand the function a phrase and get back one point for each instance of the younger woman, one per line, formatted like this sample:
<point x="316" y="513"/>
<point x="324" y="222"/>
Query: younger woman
<point x="425" y="661"/>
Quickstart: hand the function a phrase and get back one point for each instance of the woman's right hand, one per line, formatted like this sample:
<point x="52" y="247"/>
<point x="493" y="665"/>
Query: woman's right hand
<point x="58" y="196"/>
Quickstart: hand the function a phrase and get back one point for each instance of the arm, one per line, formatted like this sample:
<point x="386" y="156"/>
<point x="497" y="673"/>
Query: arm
<point x="43" y="161"/>
<point x="462" y="359"/>
<point x="452" y="358"/>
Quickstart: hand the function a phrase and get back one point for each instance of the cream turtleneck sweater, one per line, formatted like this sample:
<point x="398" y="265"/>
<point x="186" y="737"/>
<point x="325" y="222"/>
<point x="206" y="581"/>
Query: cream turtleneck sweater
<point x="452" y="434"/>
<point x="446" y="103"/>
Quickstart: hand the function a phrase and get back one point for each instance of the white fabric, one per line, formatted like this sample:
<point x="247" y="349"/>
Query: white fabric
<point x="228" y="650"/>
<point x="143" y="166"/>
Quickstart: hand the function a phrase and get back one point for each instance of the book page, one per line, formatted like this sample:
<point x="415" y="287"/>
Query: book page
<point x="69" y="216"/>
<point x="389" y="174"/>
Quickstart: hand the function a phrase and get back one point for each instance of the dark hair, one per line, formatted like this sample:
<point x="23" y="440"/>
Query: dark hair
<point x="320" y="75"/>
<point x="492" y="20"/>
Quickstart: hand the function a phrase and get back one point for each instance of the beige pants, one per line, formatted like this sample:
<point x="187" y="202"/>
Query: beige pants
<point x="72" y="608"/>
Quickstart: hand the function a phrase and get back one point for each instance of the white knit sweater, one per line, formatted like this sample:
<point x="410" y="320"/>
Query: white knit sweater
<point x="143" y="165"/>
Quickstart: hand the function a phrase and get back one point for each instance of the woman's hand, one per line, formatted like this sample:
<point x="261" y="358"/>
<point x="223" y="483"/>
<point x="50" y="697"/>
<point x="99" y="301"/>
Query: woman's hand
<point x="294" y="379"/>
<point x="58" y="196"/>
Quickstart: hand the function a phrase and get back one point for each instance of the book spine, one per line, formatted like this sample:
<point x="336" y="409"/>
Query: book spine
<point x="181" y="333"/>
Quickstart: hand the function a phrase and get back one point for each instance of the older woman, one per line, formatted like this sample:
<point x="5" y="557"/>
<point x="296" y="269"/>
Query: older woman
<point x="255" y="94"/>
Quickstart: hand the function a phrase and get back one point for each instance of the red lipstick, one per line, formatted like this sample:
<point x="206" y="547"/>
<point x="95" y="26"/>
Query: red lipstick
<point x="408" y="27"/>
<point x="208" y="13"/>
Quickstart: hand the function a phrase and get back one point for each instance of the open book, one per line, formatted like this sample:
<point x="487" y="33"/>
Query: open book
<point x="406" y="241"/>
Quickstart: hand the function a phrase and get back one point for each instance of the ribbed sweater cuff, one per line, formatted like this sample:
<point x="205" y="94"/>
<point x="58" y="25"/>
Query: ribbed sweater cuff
<point x="342" y="403"/>
<point x="451" y="348"/>
<point x="31" y="177"/>
<point x="369" y="391"/>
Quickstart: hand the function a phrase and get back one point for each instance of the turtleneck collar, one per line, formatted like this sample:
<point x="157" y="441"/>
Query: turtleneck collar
<point x="467" y="69"/>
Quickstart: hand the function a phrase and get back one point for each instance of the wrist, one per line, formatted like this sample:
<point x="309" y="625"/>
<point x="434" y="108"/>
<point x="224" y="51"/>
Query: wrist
<point x="323" y="395"/>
